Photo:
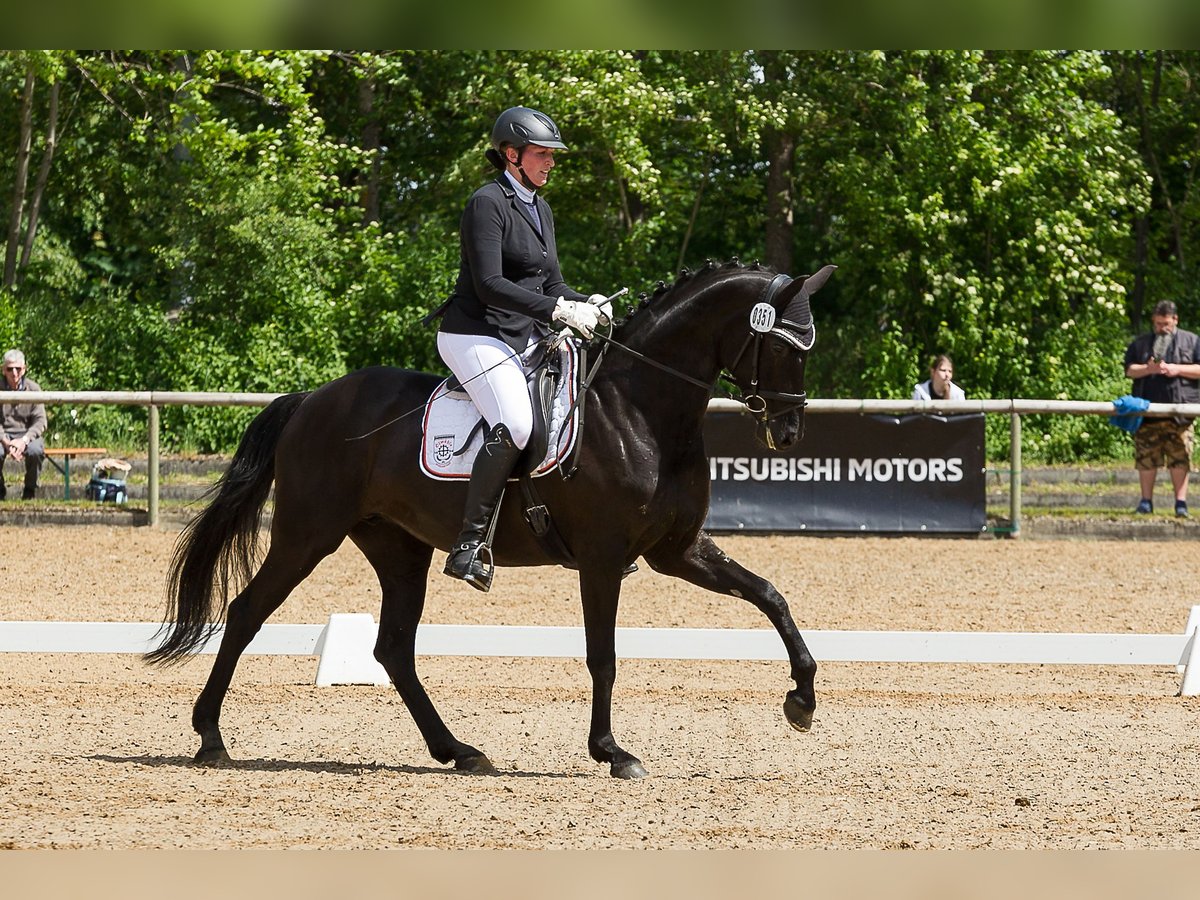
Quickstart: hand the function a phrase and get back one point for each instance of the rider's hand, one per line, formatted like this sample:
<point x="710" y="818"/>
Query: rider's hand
<point x="602" y="306"/>
<point x="577" y="314"/>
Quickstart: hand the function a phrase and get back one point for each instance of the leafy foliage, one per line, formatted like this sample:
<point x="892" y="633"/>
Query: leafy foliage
<point x="243" y="221"/>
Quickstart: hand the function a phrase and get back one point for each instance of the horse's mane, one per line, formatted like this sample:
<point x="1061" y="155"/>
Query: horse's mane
<point x="685" y="278"/>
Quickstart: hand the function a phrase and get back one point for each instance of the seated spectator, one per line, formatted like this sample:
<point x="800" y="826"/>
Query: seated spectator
<point x="940" y="385"/>
<point x="24" y="425"/>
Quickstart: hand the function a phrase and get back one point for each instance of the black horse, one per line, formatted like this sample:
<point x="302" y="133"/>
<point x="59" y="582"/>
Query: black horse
<point x="641" y="459"/>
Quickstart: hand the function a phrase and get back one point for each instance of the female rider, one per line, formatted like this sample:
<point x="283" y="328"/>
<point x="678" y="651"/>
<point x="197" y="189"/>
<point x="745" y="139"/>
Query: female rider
<point x="509" y="291"/>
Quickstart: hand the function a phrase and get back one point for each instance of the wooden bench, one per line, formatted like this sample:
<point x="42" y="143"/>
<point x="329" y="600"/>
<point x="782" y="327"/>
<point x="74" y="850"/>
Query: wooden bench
<point x="68" y="454"/>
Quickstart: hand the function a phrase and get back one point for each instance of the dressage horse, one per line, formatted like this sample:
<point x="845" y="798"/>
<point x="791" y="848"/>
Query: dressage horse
<point x="641" y="459"/>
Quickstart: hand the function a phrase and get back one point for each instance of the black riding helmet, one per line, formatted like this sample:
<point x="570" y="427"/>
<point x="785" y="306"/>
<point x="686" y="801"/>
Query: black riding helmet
<point x="520" y="126"/>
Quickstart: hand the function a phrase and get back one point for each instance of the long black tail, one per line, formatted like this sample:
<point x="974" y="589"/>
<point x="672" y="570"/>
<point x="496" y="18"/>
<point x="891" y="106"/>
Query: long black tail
<point x="218" y="549"/>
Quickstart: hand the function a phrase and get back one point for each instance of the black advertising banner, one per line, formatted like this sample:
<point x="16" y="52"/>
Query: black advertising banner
<point x="851" y="472"/>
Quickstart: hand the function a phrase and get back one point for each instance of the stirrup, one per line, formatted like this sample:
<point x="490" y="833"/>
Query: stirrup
<point x="466" y="562"/>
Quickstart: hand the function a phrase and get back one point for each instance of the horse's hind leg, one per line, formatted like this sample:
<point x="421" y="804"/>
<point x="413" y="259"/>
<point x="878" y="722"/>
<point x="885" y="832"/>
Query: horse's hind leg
<point x="281" y="571"/>
<point x="704" y="564"/>
<point x="402" y="564"/>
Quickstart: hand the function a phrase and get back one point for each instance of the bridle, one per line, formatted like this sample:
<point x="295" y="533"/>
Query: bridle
<point x="762" y="323"/>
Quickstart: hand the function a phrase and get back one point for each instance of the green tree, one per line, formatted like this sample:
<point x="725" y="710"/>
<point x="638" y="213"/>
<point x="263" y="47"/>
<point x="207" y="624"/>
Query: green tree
<point x="222" y="220"/>
<point x="1158" y="95"/>
<point x="980" y="204"/>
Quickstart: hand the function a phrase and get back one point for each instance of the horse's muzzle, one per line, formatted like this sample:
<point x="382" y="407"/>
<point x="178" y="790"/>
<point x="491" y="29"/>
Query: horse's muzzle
<point x="783" y="431"/>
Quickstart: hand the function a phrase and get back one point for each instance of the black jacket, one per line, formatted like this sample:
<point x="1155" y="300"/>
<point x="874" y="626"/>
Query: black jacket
<point x="509" y="278"/>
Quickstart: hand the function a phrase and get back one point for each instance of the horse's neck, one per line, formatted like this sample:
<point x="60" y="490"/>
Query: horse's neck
<point x="680" y="339"/>
<point x="694" y="336"/>
<point x="649" y="395"/>
<point x="666" y="392"/>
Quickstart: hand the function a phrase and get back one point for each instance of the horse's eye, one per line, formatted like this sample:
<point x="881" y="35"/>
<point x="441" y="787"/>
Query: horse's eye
<point x="779" y="348"/>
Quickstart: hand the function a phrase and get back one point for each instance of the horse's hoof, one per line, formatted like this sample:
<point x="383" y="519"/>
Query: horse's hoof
<point x="798" y="714"/>
<point x="630" y="770"/>
<point x="475" y="765"/>
<point x="213" y="756"/>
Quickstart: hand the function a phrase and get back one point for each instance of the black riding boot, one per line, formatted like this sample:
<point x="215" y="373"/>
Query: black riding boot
<point x="489" y="474"/>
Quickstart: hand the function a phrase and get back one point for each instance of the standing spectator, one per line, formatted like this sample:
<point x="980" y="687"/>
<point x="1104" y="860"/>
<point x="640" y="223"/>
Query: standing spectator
<point x="940" y="385"/>
<point x="24" y="425"/>
<point x="1165" y="367"/>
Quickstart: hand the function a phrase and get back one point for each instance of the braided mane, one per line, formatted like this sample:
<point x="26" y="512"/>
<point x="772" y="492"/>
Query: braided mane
<point x="686" y="276"/>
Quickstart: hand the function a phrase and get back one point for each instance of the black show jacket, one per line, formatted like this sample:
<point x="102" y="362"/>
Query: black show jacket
<point x="509" y="277"/>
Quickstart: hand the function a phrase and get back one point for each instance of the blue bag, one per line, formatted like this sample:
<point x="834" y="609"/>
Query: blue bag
<point x="1126" y="417"/>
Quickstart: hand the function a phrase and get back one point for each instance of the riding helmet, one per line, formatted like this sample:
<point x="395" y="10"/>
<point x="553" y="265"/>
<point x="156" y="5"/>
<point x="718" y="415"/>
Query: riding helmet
<point x="521" y="125"/>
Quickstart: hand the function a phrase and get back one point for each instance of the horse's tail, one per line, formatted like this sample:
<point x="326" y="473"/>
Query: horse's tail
<point x="218" y="549"/>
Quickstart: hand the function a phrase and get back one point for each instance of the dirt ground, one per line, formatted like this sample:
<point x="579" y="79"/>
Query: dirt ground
<point x="95" y="750"/>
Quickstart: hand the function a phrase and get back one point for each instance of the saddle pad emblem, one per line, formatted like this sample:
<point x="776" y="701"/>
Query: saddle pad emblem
<point x="451" y="417"/>
<point x="443" y="450"/>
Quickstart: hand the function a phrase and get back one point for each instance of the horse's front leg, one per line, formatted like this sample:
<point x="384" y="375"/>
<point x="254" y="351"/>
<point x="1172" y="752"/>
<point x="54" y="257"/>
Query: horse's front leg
<point x="600" y="589"/>
<point x="704" y="564"/>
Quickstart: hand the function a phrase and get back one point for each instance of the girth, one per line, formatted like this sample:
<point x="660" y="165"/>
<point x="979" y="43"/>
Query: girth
<point x="536" y="513"/>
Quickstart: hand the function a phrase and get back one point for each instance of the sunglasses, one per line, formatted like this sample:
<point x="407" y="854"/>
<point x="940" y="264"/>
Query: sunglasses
<point x="14" y="368"/>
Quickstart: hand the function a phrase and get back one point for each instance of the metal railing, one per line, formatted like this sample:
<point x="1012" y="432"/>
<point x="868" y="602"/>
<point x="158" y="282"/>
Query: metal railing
<point x="154" y="400"/>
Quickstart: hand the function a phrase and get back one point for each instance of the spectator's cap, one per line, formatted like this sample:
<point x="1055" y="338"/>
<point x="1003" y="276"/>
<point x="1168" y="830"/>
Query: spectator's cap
<point x="14" y="357"/>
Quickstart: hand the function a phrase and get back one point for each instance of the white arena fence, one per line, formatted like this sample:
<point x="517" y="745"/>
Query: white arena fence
<point x="344" y="645"/>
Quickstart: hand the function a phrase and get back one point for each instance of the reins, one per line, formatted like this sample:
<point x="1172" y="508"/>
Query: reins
<point x="756" y="400"/>
<point x="653" y="362"/>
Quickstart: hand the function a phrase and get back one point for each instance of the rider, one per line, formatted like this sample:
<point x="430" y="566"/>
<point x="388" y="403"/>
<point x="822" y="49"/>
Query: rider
<point x="509" y="291"/>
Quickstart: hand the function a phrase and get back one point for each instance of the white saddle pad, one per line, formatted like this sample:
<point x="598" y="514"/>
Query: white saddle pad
<point x="450" y="417"/>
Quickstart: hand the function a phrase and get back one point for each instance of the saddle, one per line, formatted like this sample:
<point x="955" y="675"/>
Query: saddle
<point x="452" y="430"/>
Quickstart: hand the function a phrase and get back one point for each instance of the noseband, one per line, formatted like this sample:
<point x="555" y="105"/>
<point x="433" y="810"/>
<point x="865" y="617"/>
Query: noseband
<point x="762" y="325"/>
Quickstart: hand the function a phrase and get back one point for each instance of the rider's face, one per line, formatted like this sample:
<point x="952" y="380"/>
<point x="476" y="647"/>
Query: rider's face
<point x="536" y="161"/>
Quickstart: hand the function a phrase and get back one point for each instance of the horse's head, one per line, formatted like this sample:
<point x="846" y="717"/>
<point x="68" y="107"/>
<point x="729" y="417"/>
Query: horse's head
<point x="769" y="368"/>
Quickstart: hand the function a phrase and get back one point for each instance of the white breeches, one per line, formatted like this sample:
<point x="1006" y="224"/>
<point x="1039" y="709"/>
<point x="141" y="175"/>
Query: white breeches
<point x="495" y="379"/>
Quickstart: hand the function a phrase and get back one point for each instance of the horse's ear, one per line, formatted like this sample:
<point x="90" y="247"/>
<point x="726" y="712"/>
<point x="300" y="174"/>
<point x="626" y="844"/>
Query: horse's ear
<point x="814" y="283"/>
<point x="794" y="297"/>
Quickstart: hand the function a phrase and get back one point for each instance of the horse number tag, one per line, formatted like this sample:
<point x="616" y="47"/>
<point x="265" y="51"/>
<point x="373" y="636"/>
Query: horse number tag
<point x="762" y="317"/>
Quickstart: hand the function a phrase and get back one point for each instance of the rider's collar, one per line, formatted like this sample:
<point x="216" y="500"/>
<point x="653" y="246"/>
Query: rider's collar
<point x="523" y="192"/>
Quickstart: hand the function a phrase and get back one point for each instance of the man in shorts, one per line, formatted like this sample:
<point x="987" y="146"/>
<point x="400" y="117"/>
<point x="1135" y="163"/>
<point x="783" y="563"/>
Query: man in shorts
<point x="1165" y="367"/>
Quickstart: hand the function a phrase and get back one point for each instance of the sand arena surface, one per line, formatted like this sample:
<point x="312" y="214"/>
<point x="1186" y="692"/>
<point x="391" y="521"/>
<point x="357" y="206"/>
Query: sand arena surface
<point x="95" y="750"/>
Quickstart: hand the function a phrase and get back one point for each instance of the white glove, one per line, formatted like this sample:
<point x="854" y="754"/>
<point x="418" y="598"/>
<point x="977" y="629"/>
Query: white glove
<point x="600" y="302"/>
<point x="577" y="314"/>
